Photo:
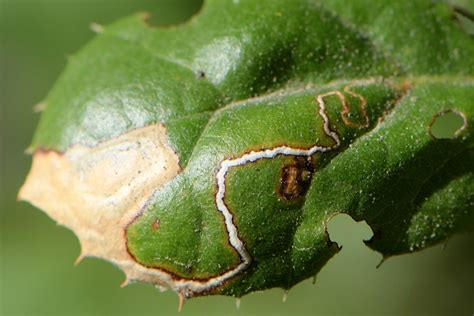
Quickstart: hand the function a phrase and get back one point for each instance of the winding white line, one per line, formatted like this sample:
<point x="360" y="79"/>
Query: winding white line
<point x="254" y="156"/>
<point x="188" y="287"/>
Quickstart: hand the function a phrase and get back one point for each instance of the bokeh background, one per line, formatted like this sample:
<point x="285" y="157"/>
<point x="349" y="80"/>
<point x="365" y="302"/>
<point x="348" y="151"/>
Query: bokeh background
<point x="37" y="276"/>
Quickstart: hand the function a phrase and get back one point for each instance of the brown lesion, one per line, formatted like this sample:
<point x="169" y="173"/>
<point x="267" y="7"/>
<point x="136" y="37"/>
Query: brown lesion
<point x="296" y="178"/>
<point x="156" y="224"/>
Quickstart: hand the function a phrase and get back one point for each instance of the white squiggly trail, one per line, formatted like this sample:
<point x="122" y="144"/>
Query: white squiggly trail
<point x="188" y="287"/>
<point x="254" y="156"/>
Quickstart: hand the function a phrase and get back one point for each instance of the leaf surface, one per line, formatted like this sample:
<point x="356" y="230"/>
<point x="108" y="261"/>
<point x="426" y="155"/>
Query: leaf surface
<point x="209" y="157"/>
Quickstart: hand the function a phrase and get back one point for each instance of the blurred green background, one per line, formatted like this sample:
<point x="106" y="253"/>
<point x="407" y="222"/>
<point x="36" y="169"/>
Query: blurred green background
<point x="37" y="275"/>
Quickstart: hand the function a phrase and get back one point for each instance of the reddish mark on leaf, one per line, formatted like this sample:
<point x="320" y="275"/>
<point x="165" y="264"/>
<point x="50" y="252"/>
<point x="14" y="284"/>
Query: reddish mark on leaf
<point x="156" y="225"/>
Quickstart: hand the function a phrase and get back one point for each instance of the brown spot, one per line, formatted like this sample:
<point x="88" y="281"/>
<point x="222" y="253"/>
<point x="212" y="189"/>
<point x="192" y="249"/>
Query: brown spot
<point x="296" y="178"/>
<point x="156" y="224"/>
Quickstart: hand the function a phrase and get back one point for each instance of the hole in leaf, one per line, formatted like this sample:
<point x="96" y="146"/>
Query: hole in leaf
<point x="352" y="235"/>
<point x="448" y="124"/>
<point x="344" y="230"/>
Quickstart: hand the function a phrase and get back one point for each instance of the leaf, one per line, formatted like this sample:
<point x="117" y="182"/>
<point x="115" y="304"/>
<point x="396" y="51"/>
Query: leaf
<point x="209" y="157"/>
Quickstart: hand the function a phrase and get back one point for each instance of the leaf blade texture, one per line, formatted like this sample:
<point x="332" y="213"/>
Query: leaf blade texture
<point x="209" y="157"/>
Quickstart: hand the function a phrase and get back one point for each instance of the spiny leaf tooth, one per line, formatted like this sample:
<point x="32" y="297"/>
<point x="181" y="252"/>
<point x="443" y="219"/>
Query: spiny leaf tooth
<point x="126" y="282"/>
<point x="79" y="259"/>
<point x="237" y="303"/>
<point x="39" y="107"/>
<point x="182" y="300"/>
<point x="96" y="27"/>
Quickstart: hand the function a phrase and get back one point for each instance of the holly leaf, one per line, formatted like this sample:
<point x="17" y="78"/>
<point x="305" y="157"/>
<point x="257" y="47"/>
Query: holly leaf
<point x="209" y="157"/>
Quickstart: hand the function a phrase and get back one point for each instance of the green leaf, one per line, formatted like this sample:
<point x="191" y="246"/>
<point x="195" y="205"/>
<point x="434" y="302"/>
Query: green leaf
<point x="209" y="157"/>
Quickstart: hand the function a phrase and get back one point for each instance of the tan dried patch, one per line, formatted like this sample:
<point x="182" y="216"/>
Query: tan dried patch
<point x="97" y="191"/>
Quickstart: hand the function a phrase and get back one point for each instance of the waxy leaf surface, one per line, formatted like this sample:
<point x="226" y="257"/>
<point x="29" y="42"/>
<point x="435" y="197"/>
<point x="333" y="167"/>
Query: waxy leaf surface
<point x="209" y="157"/>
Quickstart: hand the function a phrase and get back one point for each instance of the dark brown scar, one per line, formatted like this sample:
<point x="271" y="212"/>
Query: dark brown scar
<point x="296" y="178"/>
